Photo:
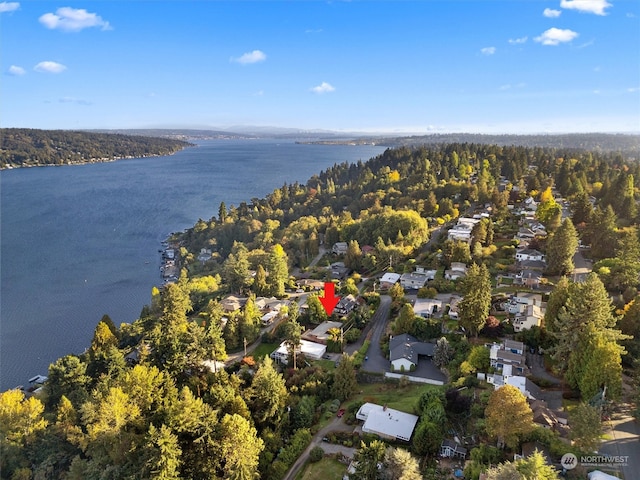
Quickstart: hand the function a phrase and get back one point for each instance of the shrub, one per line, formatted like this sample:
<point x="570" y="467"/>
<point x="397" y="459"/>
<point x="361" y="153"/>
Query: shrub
<point x="316" y="454"/>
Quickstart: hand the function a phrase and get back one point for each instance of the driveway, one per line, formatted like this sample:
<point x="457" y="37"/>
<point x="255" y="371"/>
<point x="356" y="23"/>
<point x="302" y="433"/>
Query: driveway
<point x="335" y="424"/>
<point x="376" y="361"/>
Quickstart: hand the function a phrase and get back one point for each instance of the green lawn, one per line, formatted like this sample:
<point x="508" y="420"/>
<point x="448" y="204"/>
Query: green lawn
<point x="325" y="469"/>
<point x="264" y="349"/>
<point x="404" y="399"/>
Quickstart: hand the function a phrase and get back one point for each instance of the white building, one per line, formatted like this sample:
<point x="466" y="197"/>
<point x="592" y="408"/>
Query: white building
<point x="529" y="254"/>
<point x="427" y="307"/>
<point x="340" y="248"/>
<point x="386" y="422"/>
<point x="414" y="280"/>
<point x="462" y="230"/>
<point x="389" y="279"/>
<point x="311" y="350"/>
<point x="531" y="317"/>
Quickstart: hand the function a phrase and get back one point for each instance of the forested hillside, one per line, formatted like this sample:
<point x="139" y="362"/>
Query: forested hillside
<point x="22" y="147"/>
<point x="153" y="399"/>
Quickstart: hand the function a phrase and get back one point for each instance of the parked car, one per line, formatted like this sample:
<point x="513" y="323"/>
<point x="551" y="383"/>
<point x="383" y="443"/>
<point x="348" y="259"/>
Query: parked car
<point x="341" y="412"/>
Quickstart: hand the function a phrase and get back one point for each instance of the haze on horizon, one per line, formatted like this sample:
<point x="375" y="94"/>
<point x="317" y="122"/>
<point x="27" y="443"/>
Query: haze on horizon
<point x="373" y="67"/>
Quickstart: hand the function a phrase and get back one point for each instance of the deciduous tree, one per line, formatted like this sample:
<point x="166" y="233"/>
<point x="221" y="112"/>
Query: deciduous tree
<point x="508" y="416"/>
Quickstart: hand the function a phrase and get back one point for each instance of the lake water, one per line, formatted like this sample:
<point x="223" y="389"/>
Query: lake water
<point x="81" y="241"/>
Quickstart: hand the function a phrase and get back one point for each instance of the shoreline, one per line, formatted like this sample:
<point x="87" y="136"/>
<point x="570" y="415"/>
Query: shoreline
<point x="92" y="161"/>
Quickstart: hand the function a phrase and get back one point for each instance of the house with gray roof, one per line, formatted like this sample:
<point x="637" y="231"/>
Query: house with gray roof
<point x="404" y="351"/>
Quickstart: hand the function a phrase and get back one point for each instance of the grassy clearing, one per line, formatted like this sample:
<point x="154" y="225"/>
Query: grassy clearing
<point x="264" y="349"/>
<point x="401" y="398"/>
<point x="326" y="469"/>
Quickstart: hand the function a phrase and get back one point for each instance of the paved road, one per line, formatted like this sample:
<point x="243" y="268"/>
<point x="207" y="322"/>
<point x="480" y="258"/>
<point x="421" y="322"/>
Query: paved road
<point x="624" y="434"/>
<point x="376" y="361"/>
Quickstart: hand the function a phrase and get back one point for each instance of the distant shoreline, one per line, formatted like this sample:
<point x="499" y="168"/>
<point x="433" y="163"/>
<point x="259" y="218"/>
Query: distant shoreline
<point x="91" y="161"/>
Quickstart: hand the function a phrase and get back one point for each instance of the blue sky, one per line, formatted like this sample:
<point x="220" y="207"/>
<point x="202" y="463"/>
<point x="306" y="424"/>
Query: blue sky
<point x="512" y="66"/>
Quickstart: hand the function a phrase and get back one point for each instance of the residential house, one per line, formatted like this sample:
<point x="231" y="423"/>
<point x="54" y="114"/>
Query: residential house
<point x="537" y="265"/>
<point x="457" y="270"/>
<point x="526" y="386"/>
<point x="204" y="255"/>
<point x="513" y="346"/>
<point x="529" y="254"/>
<point x="462" y="230"/>
<point x="531" y="317"/>
<point x="268" y="318"/>
<point x="320" y="333"/>
<point x="388" y="280"/>
<point x="427" y="307"/>
<point x="450" y="449"/>
<point x="519" y="301"/>
<point x="453" y="306"/>
<point x="547" y="418"/>
<point x="339" y="270"/>
<point x="386" y="422"/>
<point x="529" y="278"/>
<point x="404" y="351"/>
<point x="311" y="350"/>
<point x="346" y="305"/>
<point x="311" y="284"/>
<point x="506" y="361"/>
<point x="414" y="280"/>
<point x="339" y="248"/>
<point x="233" y="303"/>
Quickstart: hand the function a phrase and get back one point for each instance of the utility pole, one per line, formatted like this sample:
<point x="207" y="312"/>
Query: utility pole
<point x="245" y="346"/>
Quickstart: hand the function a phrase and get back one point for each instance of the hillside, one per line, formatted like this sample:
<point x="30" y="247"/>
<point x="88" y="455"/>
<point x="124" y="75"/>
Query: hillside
<point x="21" y="147"/>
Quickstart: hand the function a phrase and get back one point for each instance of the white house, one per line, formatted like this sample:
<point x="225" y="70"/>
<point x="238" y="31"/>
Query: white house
<point x="311" y="350"/>
<point x="427" y="307"/>
<point x="414" y="280"/>
<point x="526" y="386"/>
<point x="529" y="254"/>
<point x="462" y="230"/>
<point x="386" y="422"/>
<point x="457" y="270"/>
<point x="389" y="279"/>
<point x="519" y="301"/>
<point x="532" y="316"/>
<point x="340" y="248"/>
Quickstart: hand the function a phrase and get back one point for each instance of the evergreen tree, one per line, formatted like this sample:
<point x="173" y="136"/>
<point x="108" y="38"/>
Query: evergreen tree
<point x="586" y="427"/>
<point x="278" y="271"/>
<point x="353" y="257"/>
<point x="443" y="353"/>
<point x="344" y="379"/>
<point x="561" y="247"/>
<point x="268" y="395"/>
<point x="260" y="286"/>
<point x="476" y="303"/>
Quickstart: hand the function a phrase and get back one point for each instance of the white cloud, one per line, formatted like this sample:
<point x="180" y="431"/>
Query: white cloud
<point x="588" y="6"/>
<point x="9" y="7"/>
<point x="250" y="57"/>
<point x="77" y="101"/>
<point x="517" y="41"/>
<point x="505" y="87"/>
<point x="551" y="13"/>
<point x="73" y="20"/>
<point x="633" y="89"/>
<point x="488" y="50"/>
<point x="16" y="70"/>
<point x="324" y="87"/>
<point x="49" y="67"/>
<point x="556" y="36"/>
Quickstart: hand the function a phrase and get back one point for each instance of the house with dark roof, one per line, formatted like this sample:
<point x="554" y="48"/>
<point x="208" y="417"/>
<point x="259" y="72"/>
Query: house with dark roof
<point x="346" y="305"/>
<point x="404" y="351"/>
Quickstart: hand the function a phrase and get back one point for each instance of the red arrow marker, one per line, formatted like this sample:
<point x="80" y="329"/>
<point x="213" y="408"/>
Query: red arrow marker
<point x="329" y="301"/>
